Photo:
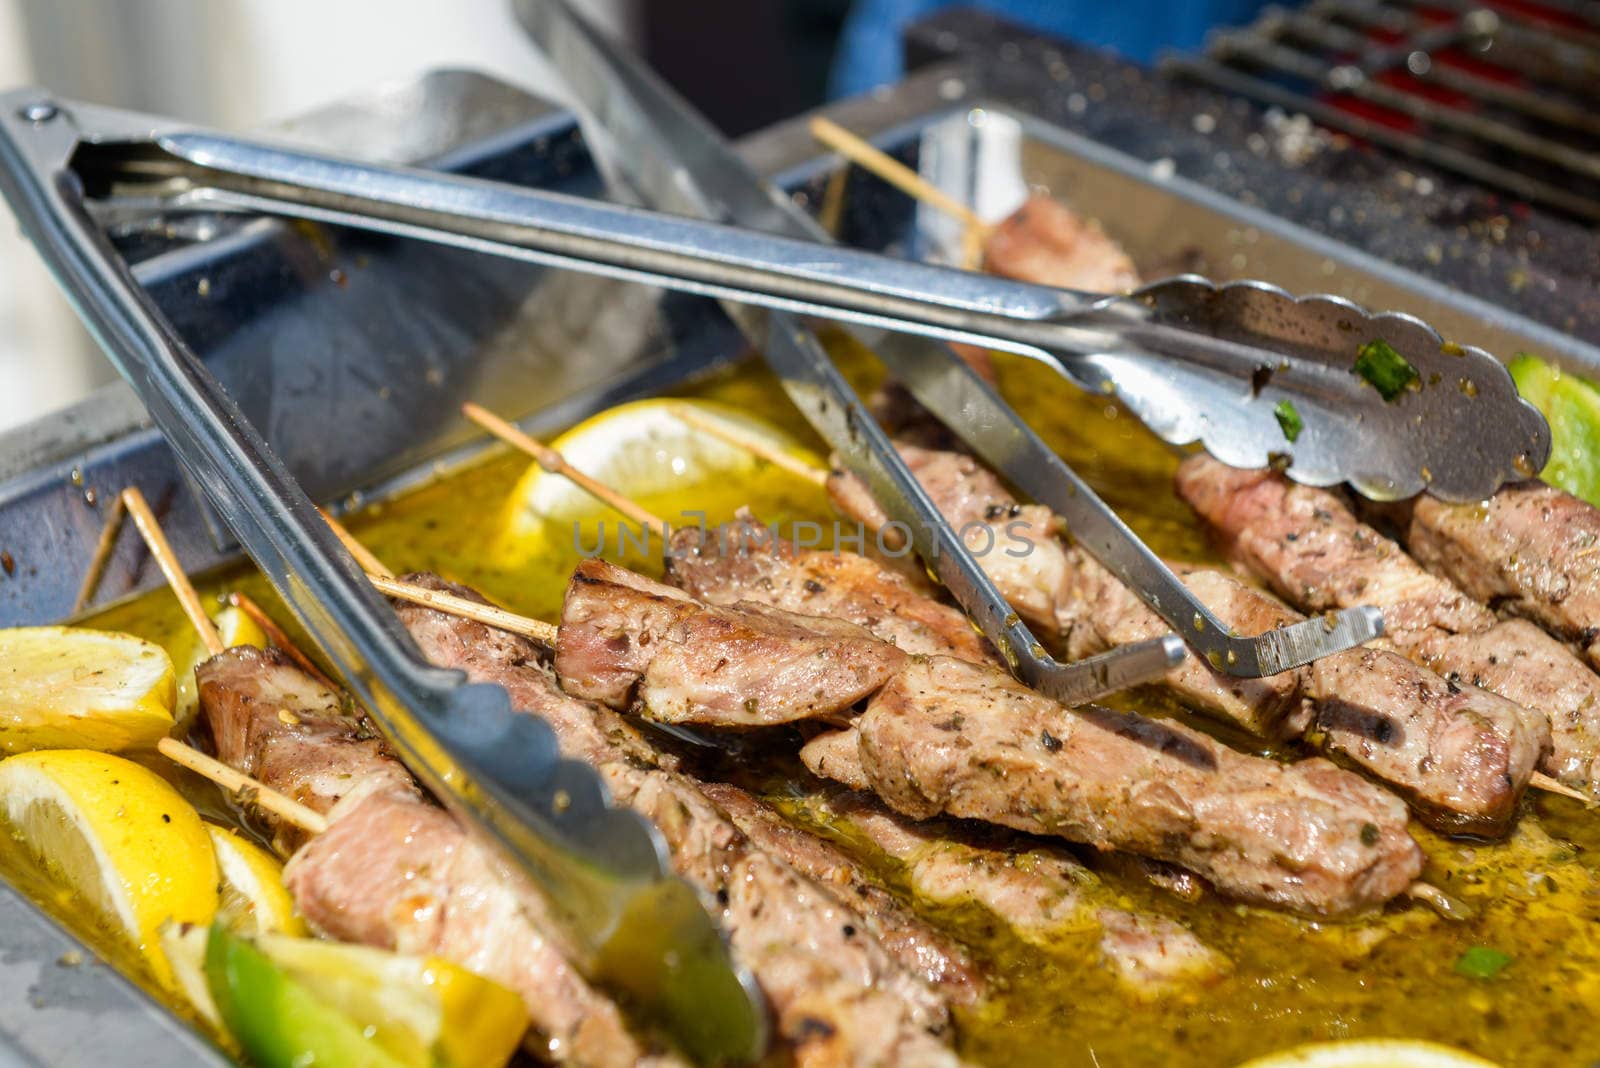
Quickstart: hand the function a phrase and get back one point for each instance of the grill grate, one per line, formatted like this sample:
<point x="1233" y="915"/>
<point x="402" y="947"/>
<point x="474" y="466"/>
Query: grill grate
<point x="1501" y="92"/>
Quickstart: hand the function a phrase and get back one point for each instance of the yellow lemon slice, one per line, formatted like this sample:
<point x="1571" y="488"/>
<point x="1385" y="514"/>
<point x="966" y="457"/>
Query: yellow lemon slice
<point x="1371" y="1053"/>
<point x="235" y="628"/>
<point x="253" y="898"/>
<point x="659" y="454"/>
<point x="75" y="688"/>
<point x="118" y="837"/>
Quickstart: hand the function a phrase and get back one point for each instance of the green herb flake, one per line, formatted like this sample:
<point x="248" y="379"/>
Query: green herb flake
<point x="1381" y="367"/>
<point x="1481" y="962"/>
<point x="1289" y="420"/>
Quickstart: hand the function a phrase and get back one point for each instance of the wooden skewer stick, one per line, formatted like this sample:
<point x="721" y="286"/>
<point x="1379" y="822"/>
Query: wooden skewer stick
<point x="228" y="778"/>
<point x="555" y="463"/>
<point x="487" y="614"/>
<point x="1540" y="781"/>
<point x="761" y="450"/>
<point x="237" y="782"/>
<point x="275" y="634"/>
<point x="363" y="555"/>
<point x="167" y="560"/>
<point x="384" y="582"/>
<point x="102" y="554"/>
<point x="894" y="172"/>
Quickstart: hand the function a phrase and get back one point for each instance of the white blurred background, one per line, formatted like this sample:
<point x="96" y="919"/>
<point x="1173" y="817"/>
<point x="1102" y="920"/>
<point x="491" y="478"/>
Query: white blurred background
<point x="226" y="63"/>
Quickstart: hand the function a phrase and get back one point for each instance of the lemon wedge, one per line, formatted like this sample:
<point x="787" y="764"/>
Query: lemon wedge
<point x="132" y="852"/>
<point x="75" y="688"/>
<point x="288" y="999"/>
<point x="235" y="628"/>
<point x="1371" y="1053"/>
<point x="649" y="452"/>
<point x="253" y="898"/>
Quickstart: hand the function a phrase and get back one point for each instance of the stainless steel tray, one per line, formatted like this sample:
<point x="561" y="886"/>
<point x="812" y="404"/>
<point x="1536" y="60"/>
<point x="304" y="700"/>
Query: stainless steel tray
<point x="352" y="356"/>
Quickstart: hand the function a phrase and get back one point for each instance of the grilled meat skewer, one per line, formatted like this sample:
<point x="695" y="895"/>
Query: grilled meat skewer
<point x="1036" y="888"/>
<point x="847" y="988"/>
<point x="946" y="737"/>
<point x="1311" y="548"/>
<point x="627" y="640"/>
<point x="1530" y="551"/>
<point x="1461" y="756"/>
<point x="392" y="869"/>
<point x="943" y="736"/>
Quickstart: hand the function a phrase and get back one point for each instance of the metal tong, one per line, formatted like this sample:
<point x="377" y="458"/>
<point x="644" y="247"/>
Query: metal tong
<point x="186" y="169"/>
<point x="649" y="141"/>
<point x="1258" y="377"/>
<point x="638" y="928"/>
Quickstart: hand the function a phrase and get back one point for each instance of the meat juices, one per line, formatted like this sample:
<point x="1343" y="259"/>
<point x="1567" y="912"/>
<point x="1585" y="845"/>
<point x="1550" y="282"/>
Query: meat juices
<point x="950" y="738"/>
<point x="393" y="870"/>
<point x="1309" y="545"/>
<point x="1037" y="891"/>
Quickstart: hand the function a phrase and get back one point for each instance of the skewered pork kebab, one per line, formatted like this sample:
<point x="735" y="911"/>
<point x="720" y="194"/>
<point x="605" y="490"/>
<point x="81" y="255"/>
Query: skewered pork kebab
<point x="850" y="986"/>
<point x="372" y="860"/>
<point x="1035" y="887"/>
<point x="1461" y="755"/>
<point x="1310" y="547"/>
<point x="1529" y="551"/>
<point x="945" y="736"/>
<point x="393" y="869"/>
<point x="1258" y="830"/>
<point x="1148" y="952"/>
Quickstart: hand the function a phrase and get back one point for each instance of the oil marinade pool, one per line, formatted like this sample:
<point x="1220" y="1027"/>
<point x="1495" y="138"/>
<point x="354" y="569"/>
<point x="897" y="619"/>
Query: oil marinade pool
<point x="1536" y="896"/>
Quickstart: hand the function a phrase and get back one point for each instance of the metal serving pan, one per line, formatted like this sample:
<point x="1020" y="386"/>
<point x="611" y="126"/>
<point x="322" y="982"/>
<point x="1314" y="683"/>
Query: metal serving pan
<point x="352" y="354"/>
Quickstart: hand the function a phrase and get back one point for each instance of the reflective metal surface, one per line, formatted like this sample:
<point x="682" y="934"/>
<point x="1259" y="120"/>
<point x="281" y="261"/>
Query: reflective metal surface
<point x="349" y="352"/>
<point x="1190" y="358"/>
<point x="645" y="932"/>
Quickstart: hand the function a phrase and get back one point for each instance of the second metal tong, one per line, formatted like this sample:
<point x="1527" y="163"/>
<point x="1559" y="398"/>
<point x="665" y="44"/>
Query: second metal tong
<point x="184" y="169"/>
<point x="1315" y="385"/>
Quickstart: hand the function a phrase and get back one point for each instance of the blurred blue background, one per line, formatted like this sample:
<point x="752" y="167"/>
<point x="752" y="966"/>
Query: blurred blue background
<point x="868" y="50"/>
